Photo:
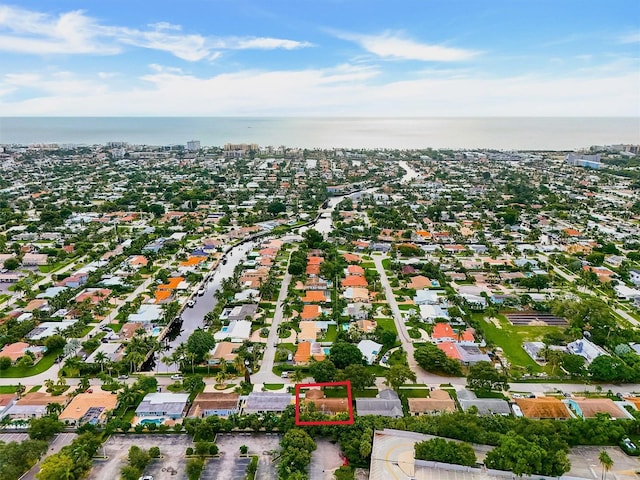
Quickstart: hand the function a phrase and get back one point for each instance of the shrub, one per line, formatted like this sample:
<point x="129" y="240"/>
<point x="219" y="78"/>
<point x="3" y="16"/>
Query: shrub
<point x="189" y="451"/>
<point x="213" y="449"/>
<point x="154" y="452"/>
<point x="244" y="449"/>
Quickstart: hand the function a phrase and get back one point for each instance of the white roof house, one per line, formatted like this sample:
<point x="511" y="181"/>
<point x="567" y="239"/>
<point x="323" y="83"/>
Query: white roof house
<point x="146" y="313"/>
<point x="238" y="331"/>
<point x="585" y="348"/>
<point x="426" y="297"/>
<point x="369" y="350"/>
<point x="428" y="313"/>
<point x="625" y="293"/>
<point x="46" y="329"/>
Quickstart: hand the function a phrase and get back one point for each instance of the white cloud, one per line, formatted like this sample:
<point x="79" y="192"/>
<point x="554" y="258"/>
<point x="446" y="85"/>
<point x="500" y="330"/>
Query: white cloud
<point x="29" y="32"/>
<point x="344" y="90"/>
<point x="265" y="43"/>
<point x="36" y="33"/>
<point x="631" y="38"/>
<point x="391" y="45"/>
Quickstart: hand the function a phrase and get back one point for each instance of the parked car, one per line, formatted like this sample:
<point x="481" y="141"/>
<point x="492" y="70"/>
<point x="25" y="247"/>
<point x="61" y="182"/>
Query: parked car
<point x="284" y="375"/>
<point x="176" y="377"/>
<point x="123" y="377"/>
<point x="201" y="292"/>
<point x="191" y="303"/>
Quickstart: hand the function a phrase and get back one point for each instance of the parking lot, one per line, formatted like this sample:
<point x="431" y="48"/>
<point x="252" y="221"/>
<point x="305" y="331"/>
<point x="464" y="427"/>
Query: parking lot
<point x="585" y="463"/>
<point x="224" y="468"/>
<point x="170" y="466"/>
<point x="325" y="459"/>
<point x="230" y="464"/>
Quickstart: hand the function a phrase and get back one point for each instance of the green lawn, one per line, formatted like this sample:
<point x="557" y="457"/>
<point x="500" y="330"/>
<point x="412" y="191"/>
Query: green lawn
<point x="116" y="327"/>
<point x="41" y="366"/>
<point x="332" y="334"/>
<point x="387" y="324"/>
<point x="485" y="394"/>
<point x="366" y="393"/>
<point x="368" y="265"/>
<point x="414" y="392"/>
<point x="510" y="339"/>
<point x="8" y="389"/>
<point x="386" y="263"/>
<point x="273" y="386"/>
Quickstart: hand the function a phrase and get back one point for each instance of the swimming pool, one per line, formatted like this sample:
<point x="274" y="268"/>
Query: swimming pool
<point x="156" y="331"/>
<point x="224" y="329"/>
<point x="326" y="350"/>
<point x="157" y="421"/>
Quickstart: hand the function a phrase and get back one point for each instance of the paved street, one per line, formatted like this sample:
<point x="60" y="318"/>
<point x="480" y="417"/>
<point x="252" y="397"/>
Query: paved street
<point x="266" y="375"/>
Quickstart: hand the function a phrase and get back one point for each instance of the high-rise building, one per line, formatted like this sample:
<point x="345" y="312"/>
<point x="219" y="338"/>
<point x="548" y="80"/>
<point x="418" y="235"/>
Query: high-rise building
<point x="193" y="145"/>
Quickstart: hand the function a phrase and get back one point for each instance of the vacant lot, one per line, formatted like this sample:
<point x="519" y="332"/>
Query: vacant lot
<point x="510" y="338"/>
<point x="172" y="451"/>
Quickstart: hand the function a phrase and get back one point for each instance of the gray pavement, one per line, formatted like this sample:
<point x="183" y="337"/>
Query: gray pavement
<point x="259" y="444"/>
<point x="172" y="456"/>
<point x="266" y="375"/>
<point x="325" y="459"/>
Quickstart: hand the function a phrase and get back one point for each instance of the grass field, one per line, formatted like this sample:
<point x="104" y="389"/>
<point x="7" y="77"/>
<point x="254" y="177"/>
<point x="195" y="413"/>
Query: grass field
<point x="7" y="389"/>
<point x="510" y="339"/>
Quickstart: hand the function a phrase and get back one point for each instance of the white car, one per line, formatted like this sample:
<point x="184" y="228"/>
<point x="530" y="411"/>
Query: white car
<point x="201" y="292"/>
<point x="191" y="303"/>
<point x="176" y="377"/>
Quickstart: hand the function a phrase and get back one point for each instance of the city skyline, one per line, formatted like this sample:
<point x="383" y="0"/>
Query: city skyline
<point x="342" y="58"/>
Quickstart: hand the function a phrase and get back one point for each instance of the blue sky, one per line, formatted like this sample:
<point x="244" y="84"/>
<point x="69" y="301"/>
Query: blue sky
<point x="320" y="57"/>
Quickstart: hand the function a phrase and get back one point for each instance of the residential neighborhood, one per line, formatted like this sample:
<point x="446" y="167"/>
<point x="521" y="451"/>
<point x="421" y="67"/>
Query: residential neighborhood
<point x="181" y="294"/>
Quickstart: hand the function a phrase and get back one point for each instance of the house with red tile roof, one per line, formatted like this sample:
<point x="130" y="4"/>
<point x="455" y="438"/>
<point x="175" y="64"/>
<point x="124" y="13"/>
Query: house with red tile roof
<point x="315" y="296"/>
<point x="354" y="281"/>
<point x="355" y="270"/>
<point x="351" y="258"/>
<point x="311" y="312"/>
<point x="94" y="295"/>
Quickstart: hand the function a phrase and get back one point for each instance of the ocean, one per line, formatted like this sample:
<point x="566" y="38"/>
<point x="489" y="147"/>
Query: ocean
<point x="518" y="133"/>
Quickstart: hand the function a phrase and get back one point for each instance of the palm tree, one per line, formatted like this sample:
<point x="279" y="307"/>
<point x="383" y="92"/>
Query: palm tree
<point x="54" y="408"/>
<point x="606" y="462"/>
<point x="239" y="366"/>
<point x="298" y="376"/>
<point x="168" y="360"/>
<point x="101" y="358"/>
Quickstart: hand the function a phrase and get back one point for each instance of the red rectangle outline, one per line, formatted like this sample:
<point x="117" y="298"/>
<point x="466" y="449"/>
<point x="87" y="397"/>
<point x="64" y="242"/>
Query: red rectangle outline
<point x="300" y="386"/>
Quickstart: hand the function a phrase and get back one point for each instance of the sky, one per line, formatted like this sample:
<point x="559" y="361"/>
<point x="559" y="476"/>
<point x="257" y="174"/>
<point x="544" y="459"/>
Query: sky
<point x="362" y="58"/>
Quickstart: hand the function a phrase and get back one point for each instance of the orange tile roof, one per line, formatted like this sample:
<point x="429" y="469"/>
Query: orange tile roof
<point x="352" y="258"/>
<point x="313" y="270"/>
<point x="315" y="260"/>
<point x="314" y="296"/>
<point x="14" y="350"/>
<point x="592" y="406"/>
<point x="354" y="281"/>
<point x="79" y="405"/>
<point x="94" y="296"/>
<point x="303" y="353"/>
<point x="355" y="270"/>
<point x="419" y="281"/>
<point x="162" y="295"/>
<point x="572" y="232"/>
<point x="424" y="233"/>
<point x="443" y="330"/>
<point x="450" y="349"/>
<point x="309" y="312"/>
<point x="192" y="261"/>
<point x="545" y="407"/>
